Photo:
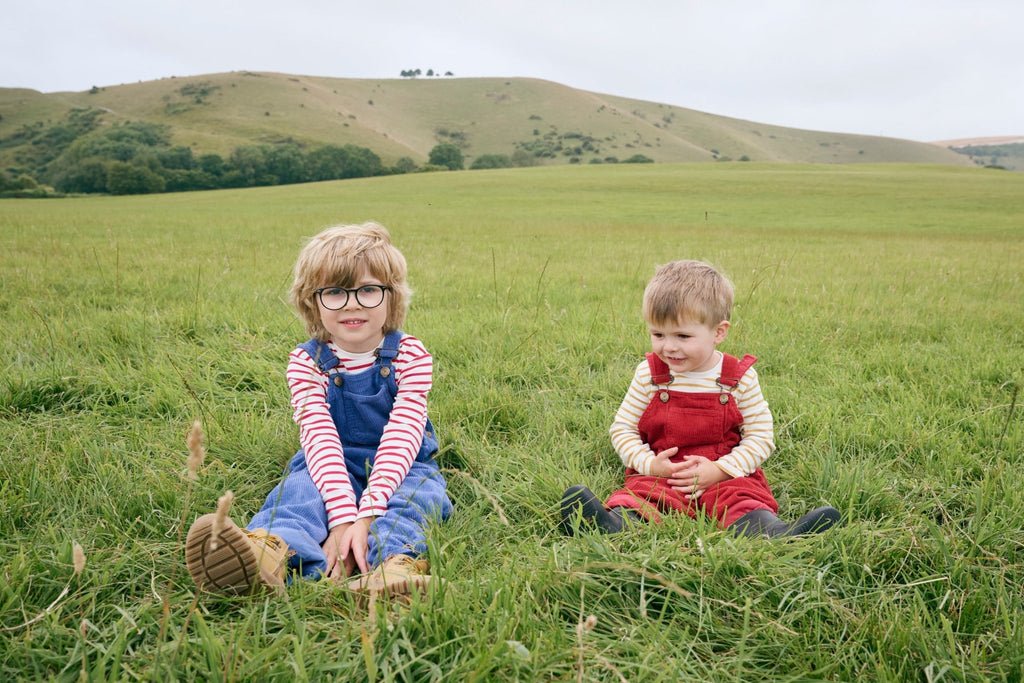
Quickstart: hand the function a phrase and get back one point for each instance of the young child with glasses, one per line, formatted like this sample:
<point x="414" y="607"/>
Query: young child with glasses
<point x="694" y="428"/>
<point x="358" y="495"/>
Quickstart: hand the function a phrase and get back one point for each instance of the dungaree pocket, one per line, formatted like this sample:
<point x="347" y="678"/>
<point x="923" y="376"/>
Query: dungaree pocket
<point x="365" y="416"/>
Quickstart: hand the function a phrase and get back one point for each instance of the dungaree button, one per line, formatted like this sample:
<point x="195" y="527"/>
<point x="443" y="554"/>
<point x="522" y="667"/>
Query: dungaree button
<point x="723" y="398"/>
<point x="663" y="396"/>
<point x="338" y="381"/>
<point x="385" y="371"/>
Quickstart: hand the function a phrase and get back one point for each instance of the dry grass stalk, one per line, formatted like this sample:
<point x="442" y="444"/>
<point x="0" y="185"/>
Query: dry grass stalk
<point x="78" y="559"/>
<point x="78" y="556"/>
<point x="196" y="450"/>
<point x="223" y="505"/>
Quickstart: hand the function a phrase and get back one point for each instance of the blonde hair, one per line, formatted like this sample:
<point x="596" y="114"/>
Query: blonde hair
<point x="338" y="256"/>
<point x="690" y="291"/>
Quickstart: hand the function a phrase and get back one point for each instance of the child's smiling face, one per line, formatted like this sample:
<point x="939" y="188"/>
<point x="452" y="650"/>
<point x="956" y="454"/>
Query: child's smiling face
<point x="687" y="346"/>
<point x="352" y="327"/>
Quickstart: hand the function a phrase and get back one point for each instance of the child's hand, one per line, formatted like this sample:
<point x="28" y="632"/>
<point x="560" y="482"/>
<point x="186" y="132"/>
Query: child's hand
<point x="354" y="545"/>
<point x="339" y="565"/>
<point x="696" y="475"/>
<point x="345" y="549"/>
<point x="663" y="465"/>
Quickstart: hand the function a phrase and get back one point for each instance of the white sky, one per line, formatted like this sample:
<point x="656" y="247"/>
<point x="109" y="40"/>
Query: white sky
<point x="918" y="69"/>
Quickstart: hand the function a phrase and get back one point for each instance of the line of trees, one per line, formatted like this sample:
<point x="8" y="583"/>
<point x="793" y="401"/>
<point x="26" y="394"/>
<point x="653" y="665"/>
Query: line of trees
<point x="413" y="73"/>
<point x="176" y="169"/>
<point x="78" y="156"/>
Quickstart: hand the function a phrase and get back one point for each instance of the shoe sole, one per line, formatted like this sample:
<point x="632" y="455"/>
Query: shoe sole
<point x="396" y="589"/>
<point x="232" y="567"/>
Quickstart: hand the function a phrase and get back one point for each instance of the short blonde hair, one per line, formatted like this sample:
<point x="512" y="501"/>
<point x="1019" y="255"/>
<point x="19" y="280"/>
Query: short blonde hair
<point x="688" y="291"/>
<point x="337" y="257"/>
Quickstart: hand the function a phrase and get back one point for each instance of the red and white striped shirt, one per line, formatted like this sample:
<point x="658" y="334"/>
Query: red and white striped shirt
<point x="399" y="443"/>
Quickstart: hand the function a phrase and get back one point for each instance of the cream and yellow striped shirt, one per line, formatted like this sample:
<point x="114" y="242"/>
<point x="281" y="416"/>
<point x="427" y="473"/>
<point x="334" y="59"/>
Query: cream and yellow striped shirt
<point x="757" y="433"/>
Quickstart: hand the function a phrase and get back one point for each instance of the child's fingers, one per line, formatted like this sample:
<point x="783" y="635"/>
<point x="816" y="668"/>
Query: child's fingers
<point x="334" y="568"/>
<point x="668" y="452"/>
<point x="360" y="557"/>
<point x="331" y="556"/>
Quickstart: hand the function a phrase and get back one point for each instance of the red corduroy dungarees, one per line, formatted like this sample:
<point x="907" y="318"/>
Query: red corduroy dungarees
<point x="698" y="424"/>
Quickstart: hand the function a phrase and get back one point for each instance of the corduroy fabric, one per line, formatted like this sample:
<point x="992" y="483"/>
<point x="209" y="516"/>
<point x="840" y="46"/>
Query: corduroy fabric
<point x="360" y="407"/>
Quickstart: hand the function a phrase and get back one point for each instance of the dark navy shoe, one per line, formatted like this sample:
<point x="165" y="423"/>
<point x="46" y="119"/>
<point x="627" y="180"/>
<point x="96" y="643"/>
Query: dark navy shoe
<point x="765" y="523"/>
<point x="580" y="502"/>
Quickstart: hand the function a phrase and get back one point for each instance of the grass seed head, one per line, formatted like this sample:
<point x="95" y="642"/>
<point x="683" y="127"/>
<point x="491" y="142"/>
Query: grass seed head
<point x="78" y="556"/>
<point x="223" y="505"/>
<point x="196" y="451"/>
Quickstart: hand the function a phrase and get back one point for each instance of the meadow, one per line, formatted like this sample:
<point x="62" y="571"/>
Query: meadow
<point x="884" y="304"/>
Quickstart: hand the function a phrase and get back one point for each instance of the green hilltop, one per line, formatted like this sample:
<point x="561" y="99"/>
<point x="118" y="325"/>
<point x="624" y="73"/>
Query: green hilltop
<point x="407" y="117"/>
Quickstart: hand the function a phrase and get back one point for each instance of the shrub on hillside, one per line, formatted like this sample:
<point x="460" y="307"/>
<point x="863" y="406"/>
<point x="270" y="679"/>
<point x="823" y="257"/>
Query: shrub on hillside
<point x="491" y="161"/>
<point x="123" y="178"/>
<point x="447" y="155"/>
<point x="404" y="165"/>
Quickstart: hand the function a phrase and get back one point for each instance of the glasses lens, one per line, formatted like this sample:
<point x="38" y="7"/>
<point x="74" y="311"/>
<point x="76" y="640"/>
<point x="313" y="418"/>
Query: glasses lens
<point x="333" y="297"/>
<point x="370" y="296"/>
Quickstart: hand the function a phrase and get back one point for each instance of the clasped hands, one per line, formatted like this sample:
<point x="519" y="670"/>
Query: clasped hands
<point x="346" y="547"/>
<point x="690" y="476"/>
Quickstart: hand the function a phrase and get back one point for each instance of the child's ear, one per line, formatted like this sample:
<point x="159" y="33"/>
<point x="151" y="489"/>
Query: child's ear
<point x="721" y="331"/>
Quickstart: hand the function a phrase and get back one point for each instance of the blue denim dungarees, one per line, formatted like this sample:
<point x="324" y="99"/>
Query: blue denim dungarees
<point x="360" y="405"/>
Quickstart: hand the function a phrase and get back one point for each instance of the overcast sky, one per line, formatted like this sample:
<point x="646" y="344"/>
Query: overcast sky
<point x="918" y="69"/>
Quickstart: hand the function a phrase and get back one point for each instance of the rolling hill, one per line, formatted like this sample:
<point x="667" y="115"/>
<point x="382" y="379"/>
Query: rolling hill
<point x="552" y="123"/>
<point x="995" y="152"/>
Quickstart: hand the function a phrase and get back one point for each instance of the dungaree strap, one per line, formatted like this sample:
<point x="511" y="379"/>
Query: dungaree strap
<point x="330" y="365"/>
<point x="385" y="354"/>
<point x="659" y="369"/>
<point x="321" y="355"/>
<point x="733" y="369"/>
<point x="326" y="360"/>
<point x="389" y="347"/>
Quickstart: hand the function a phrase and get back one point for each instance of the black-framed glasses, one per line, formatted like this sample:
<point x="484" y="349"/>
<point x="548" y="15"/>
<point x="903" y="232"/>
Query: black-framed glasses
<point x="367" y="296"/>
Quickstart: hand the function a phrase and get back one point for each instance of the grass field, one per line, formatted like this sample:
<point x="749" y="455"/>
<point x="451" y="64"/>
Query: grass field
<point x="884" y="303"/>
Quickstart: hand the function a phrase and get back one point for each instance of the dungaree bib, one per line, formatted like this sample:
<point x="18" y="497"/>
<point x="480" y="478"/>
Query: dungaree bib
<point x="360" y="405"/>
<point x="706" y="424"/>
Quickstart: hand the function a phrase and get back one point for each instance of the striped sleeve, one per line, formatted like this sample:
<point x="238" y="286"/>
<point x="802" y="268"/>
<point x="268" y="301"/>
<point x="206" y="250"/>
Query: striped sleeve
<point x="757" y="433"/>
<point x="319" y="438"/>
<point x="625" y="432"/>
<point x="403" y="434"/>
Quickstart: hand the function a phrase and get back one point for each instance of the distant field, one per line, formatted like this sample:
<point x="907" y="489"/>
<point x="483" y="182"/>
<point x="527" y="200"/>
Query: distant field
<point x="884" y="303"/>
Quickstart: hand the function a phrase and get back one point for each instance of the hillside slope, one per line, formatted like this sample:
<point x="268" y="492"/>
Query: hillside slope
<point x="408" y="117"/>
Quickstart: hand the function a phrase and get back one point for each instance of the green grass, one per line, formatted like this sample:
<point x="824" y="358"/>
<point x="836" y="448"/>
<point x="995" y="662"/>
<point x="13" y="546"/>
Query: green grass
<point x="883" y="302"/>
